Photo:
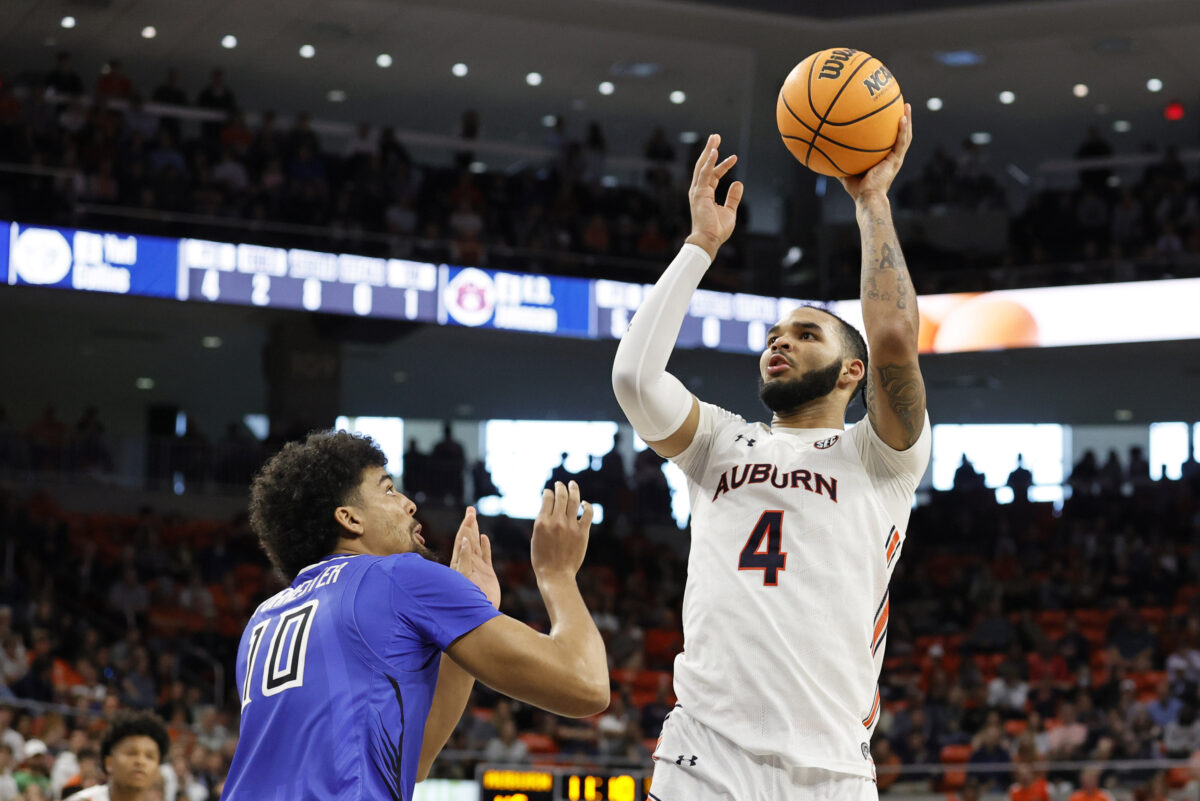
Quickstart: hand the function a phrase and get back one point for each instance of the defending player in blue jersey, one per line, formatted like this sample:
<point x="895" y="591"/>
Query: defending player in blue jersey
<point x="353" y="678"/>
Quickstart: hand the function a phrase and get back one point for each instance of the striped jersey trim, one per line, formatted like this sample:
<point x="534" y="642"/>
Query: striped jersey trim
<point x="893" y="545"/>
<point x="870" y="718"/>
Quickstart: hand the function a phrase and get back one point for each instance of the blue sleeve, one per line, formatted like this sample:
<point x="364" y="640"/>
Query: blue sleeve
<point x="407" y="607"/>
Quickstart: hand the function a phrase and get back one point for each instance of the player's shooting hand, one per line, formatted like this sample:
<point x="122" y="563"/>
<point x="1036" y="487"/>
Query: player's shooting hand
<point x="878" y="179"/>
<point x="560" y="536"/>
<point x="712" y="224"/>
<point x="473" y="557"/>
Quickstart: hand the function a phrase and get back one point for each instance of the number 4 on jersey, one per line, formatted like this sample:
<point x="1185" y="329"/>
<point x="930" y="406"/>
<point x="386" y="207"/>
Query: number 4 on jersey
<point x="770" y="528"/>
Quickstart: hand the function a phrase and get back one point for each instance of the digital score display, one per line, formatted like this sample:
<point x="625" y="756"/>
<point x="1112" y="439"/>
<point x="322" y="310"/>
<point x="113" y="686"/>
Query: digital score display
<point x="336" y="283"/>
<point x="562" y="784"/>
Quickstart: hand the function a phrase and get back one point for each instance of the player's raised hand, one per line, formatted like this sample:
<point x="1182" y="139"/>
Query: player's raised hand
<point x="878" y="179"/>
<point x="473" y="557"/>
<point x="712" y="223"/>
<point x="560" y="536"/>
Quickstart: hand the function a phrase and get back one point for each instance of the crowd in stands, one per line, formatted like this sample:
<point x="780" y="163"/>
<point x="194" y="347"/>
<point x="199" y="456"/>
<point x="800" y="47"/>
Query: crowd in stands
<point x="364" y="193"/>
<point x="1019" y="635"/>
<point x="1144" y="227"/>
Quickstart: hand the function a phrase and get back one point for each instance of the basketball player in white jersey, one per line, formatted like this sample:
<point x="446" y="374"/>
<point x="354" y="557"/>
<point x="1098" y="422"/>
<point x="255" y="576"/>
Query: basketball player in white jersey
<point x="796" y="526"/>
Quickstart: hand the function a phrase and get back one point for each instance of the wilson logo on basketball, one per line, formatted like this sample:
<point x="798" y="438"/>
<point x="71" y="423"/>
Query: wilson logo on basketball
<point x="826" y="443"/>
<point x="832" y="68"/>
<point x="877" y="80"/>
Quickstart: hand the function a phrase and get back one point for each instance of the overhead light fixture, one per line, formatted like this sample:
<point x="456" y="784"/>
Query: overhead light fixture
<point x="144" y="383"/>
<point x="383" y="60"/>
<point x="336" y="96"/>
<point x="307" y="51"/>
<point x="534" y="79"/>
<point x="149" y="32"/>
<point x="689" y="137"/>
<point x="1123" y="415"/>
<point x="1153" y="84"/>
<point x="459" y="70"/>
<point x="606" y="87"/>
<point x="549" y="120"/>
<point x="229" y="41"/>
<point x="1080" y="90"/>
<point x="934" y="104"/>
<point x="477" y="167"/>
<point x="678" y="97"/>
<point x="981" y="138"/>
<point x="211" y="342"/>
<point x="1122" y="126"/>
<point x="1007" y="97"/>
<point x="67" y="22"/>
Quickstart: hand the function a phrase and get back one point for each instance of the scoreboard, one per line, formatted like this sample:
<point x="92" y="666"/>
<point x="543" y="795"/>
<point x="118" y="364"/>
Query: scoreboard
<point x="561" y="784"/>
<point x="338" y="283"/>
<point x="204" y="271"/>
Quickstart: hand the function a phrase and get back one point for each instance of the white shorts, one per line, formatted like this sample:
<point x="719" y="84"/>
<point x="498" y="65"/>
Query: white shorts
<point x="694" y="763"/>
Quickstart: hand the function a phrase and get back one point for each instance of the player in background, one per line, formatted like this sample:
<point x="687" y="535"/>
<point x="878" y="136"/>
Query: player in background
<point x="353" y="678"/>
<point x="796" y="526"/>
<point x="131" y="752"/>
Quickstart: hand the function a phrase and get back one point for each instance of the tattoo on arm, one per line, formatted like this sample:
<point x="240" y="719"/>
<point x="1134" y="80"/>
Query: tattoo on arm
<point x="904" y="390"/>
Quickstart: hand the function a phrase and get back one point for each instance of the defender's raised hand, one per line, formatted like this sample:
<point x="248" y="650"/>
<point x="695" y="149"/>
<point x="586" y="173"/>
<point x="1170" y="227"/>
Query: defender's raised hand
<point x="878" y="179"/>
<point x="560" y="537"/>
<point x="712" y="224"/>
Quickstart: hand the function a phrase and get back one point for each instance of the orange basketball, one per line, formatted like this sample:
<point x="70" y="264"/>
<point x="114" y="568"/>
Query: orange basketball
<point x="838" y="111"/>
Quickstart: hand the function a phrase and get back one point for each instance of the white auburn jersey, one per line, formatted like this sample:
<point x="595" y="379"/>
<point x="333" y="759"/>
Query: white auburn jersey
<point x="795" y="533"/>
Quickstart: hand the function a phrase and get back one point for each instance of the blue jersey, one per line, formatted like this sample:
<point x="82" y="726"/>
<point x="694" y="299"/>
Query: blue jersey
<point x="337" y="674"/>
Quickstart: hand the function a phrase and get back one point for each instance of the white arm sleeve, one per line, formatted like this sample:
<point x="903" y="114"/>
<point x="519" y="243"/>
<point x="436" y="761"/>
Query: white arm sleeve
<point x="656" y="402"/>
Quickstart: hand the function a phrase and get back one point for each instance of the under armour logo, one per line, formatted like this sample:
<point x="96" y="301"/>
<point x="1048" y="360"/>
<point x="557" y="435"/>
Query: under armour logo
<point x="690" y="760"/>
<point x="749" y="441"/>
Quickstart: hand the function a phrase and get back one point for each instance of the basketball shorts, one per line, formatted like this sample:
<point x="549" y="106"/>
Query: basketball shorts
<point x="694" y="763"/>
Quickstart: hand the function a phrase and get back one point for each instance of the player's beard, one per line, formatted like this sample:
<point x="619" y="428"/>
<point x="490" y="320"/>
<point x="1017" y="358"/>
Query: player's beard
<point x="417" y="547"/>
<point x="782" y="395"/>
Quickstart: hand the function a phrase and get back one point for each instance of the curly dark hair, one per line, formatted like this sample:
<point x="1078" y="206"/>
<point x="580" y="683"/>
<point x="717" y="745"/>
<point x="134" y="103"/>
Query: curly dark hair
<point x="135" y="724"/>
<point x="293" y="497"/>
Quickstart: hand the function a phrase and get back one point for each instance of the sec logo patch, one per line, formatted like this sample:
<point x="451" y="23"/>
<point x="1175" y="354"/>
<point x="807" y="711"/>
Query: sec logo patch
<point x="826" y="443"/>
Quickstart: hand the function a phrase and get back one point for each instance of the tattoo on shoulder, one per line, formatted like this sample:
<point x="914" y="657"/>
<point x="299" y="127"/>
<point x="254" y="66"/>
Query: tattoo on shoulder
<point x="901" y="384"/>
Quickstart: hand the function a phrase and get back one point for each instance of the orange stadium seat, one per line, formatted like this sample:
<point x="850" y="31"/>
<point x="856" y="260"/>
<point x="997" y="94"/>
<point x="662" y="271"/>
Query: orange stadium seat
<point x="954" y="755"/>
<point x="539" y="743"/>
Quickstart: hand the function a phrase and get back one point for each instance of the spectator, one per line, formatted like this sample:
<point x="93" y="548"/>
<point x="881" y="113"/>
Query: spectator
<point x="215" y="95"/>
<point x="1165" y="708"/>
<point x="1020" y="480"/>
<point x="1029" y="786"/>
<point x="1181" y="737"/>
<point x="129" y="598"/>
<point x="989" y="748"/>
<point x="886" y="763"/>
<point x="1008" y="692"/>
<point x="35" y="769"/>
<point x="8" y="785"/>
<point x="169" y="92"/>
<point x="1067" y="739"/>
<point x="113" y="83"/>
<point x="63" y="81"/>
<point x="506" y="748"/>
<point x="1094" y="147"/>
<point x="1089" y="787"/>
